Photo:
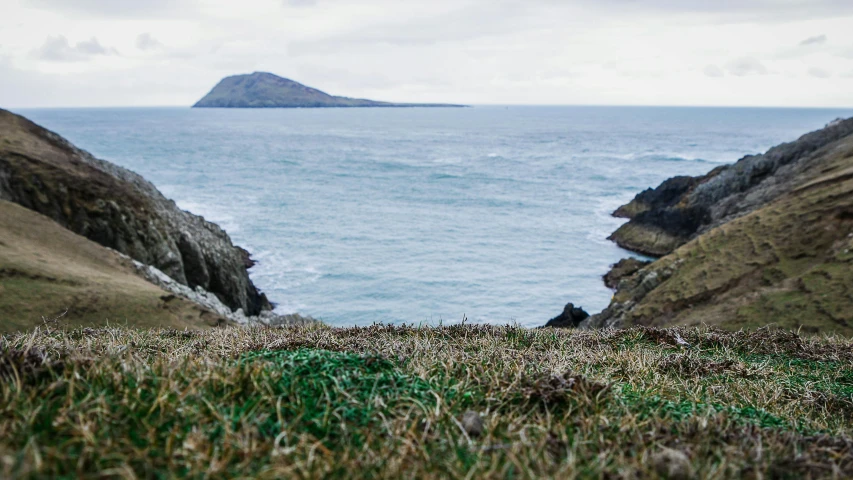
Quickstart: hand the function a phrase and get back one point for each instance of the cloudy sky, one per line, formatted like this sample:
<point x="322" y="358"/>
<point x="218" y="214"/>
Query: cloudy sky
<point x="622" y="52"/>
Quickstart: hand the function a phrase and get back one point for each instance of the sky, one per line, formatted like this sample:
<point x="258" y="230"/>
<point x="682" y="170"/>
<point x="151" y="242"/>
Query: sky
<point x="67" y="53"/>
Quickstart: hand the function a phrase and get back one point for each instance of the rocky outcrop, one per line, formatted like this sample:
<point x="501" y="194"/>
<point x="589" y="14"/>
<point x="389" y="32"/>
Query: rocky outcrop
<point x="667" y="195"/>
<point x="776" y="247"/>
<point x="265" y="90"/>
<point x="681" y="208"/>
<point x="571" y="317"/>
<point x="121" y="210"/>
<point x="622" y="269"/>
<point x="201" y="297"/>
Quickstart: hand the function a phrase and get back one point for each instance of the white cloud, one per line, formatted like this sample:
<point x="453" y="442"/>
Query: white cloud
<point x="816" y="40"/>
<point x="144" y="41"/>
<point x="713" y="71"/>
<point x="819" y="73"/>
<point x="58" y="49"/>
<point x="671" y="52"/>
<point x="743" y="66"/>
<point x="117" y="8"/>
<point x="91" y="47"/>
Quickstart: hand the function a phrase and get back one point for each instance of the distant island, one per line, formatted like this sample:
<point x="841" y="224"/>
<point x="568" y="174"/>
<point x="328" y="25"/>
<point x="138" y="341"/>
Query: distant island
<point x="265" y="90"/>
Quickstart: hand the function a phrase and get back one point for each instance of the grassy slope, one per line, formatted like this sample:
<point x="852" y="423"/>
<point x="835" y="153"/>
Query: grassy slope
<point x="46" y="270"/>
<point x="789" y="264"/>
<point x="385" y="402"/>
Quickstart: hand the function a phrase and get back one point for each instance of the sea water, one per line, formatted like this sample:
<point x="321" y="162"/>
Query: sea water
<point x="424" y="215"/>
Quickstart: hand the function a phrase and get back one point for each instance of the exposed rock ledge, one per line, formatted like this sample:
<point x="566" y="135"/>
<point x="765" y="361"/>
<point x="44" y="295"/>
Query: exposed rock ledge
<point x="681" y="208"/>
<point x="210" y="301"/>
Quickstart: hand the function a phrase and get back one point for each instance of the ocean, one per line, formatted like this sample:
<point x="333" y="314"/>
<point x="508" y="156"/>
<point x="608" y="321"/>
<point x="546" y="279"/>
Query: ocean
<point x="424" y="215"/>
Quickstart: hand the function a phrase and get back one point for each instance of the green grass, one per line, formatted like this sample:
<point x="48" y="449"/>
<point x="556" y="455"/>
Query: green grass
<point x="388" y="402"/>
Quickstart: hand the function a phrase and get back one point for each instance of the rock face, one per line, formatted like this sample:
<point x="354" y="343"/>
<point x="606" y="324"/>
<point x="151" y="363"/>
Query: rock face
<point x="774" y="247"/>
<point x="119" y="209"/>
<point x="265" y="90"/>
<point x="622" y="269"/>
<point x="571" y="317"/>
<point x="211" y="302"/>
<point x="681" y="208"/>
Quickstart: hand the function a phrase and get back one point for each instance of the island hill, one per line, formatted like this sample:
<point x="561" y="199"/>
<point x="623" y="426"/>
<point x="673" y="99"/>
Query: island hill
<point x="265" y="90"/>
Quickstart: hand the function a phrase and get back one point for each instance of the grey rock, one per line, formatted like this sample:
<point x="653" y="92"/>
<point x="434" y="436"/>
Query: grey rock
<point x="211" y="302"/>
<point x="472" y="423"/>
<point x="571" y="317"/>
<point x="672" y="464"/>
<point x="632" y="290"/>
<point x="682" y="208"/>
<point x="623" y="269"/>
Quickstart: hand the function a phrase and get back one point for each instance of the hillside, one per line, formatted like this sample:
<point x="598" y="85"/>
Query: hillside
<point x="48" y="271"/>
<point x="265" y="90"/>
<point x="681" y="208"/>
<point x="403" y="402"/>
<point x="119" y="209"/>
<point x="767" y="241"/>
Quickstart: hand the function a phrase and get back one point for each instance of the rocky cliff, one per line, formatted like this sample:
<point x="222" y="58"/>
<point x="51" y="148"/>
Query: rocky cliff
<point x="681" y="208"/>
<point x="119" y="209"/>
<point x="766" y="241"/>
<point x="265" y="90"/>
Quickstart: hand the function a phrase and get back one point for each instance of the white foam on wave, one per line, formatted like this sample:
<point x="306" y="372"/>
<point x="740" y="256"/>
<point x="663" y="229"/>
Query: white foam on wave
<point x="275" y="270"/>
<point x="210" y="213"/>
<point x="660" y="156"/>
<point x="278" y="276"/>
<point x="605" y="222"/>
<point x="446" y="161"/>
<point x="290" y="308"/>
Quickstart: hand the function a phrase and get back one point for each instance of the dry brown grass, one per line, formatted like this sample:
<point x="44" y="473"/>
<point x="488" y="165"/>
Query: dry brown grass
<point x="388" y="402"/>
<point x="46" y="270"/>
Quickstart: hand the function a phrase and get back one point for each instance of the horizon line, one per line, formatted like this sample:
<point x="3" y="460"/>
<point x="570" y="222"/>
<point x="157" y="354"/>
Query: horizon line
<point x="585" y="105"/>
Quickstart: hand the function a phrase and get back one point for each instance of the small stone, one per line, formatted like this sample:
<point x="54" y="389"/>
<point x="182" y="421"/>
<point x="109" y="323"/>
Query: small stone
<point x="472" y="423"/>
<point x="672" y="464"/>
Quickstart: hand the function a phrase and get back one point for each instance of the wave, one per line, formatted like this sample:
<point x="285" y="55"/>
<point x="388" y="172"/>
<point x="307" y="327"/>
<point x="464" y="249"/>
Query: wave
<point x="444" y="176"/>
<point x="275" y="269"/>
<point x="446" y="161"/>
<point x="668" y="157"/>
<point x="210" y="213"/>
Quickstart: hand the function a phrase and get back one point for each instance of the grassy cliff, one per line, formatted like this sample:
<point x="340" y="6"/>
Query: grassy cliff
<point x="786" y="262"/>
<point x="47" y="271"/>
<point x="402" y="402"/>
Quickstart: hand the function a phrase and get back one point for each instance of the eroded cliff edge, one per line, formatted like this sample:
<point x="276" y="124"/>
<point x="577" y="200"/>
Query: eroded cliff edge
<point x="765" y="241"/>
<point x="119" y="209"/>
<point x="681" y="208"/>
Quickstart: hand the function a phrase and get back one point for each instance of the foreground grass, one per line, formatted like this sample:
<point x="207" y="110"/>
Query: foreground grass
<point x="389" y="402"/>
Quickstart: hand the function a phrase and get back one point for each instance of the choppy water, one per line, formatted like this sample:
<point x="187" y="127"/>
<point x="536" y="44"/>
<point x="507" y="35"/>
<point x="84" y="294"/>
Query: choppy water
<point x="424" y="215"/>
